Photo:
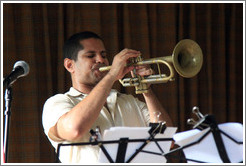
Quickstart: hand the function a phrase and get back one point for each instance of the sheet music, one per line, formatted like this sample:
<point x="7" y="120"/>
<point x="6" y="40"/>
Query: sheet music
<point x="206" y="150"/>
<point x="115" y="133"/>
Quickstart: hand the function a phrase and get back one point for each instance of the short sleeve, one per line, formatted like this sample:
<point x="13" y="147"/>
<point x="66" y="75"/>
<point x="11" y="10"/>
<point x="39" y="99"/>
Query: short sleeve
<point x="53" y="109"/>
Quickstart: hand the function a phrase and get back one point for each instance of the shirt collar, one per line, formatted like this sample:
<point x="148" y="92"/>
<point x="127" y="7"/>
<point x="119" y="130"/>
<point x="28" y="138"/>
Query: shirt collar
<point x="75" y="93"/>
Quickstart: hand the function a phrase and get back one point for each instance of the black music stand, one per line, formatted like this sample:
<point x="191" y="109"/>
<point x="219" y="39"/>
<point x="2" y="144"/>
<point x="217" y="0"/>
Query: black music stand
<point x="209" y="123"/>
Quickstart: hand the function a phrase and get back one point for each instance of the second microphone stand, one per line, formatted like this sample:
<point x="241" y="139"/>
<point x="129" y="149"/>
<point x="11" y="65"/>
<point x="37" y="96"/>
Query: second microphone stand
<point x="7" y="113"/>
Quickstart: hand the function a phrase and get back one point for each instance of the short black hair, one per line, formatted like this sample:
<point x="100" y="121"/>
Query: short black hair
<point x="72" y="46"/>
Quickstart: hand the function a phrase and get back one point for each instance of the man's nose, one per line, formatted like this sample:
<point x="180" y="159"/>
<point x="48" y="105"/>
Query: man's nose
<point x="100" y="59"/>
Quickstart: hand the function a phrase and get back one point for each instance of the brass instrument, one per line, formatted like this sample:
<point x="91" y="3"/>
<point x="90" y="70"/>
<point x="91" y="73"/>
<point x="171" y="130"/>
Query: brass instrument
<point x="187" y="59"/>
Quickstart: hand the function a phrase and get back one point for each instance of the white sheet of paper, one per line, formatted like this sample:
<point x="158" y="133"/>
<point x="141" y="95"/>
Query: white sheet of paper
<point x="115" y="133"/>
<point x="206" y="150"/>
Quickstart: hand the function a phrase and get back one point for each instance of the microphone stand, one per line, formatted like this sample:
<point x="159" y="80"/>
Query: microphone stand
<point x="8" y="99"/>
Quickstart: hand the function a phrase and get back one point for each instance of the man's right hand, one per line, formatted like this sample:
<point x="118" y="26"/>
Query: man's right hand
<point x="119" y="68"/>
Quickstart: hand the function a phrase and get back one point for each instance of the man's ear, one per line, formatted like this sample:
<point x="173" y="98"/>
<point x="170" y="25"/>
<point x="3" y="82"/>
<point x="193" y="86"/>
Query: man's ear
<point x="69" y="65"/>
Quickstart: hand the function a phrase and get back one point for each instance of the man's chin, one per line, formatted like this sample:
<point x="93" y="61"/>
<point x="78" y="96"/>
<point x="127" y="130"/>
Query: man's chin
<point x="99" y="77"/>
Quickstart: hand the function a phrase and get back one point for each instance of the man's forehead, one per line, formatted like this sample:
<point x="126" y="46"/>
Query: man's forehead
<point x="92" y="42"/>
<point x="91" y="51"/>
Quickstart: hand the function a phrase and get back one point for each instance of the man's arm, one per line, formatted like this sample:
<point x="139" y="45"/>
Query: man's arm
<point x="74" y="124"/>
<point x="154" y="105"/>
<point x="151" y="100"/>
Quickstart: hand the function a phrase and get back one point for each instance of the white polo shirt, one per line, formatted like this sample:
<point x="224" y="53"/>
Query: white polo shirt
<point x="123" y="110"/>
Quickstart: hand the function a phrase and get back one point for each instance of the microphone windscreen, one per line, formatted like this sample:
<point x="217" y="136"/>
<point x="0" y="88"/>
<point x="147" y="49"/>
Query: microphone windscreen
<point x="24" y="65"/>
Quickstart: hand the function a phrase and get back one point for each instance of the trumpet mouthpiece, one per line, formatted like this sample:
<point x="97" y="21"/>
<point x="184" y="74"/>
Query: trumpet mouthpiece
<point x="105" y="68"/>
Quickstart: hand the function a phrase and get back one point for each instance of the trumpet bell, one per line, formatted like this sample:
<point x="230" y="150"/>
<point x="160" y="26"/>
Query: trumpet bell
<point x="187" y="58"/>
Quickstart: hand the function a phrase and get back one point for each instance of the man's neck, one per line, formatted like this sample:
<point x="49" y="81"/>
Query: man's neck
<point x="83" y="88"/>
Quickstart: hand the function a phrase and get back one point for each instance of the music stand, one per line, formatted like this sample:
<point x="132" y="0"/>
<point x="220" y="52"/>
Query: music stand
<point x="155" y="129"/>
<point x="216" y="136"/>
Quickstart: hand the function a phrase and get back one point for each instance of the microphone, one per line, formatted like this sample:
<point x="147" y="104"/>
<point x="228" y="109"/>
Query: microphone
<point x="20" y="69"/>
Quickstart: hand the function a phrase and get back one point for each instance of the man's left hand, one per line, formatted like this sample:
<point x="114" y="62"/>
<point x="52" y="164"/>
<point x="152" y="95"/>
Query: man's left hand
<point x="142" y="70"/>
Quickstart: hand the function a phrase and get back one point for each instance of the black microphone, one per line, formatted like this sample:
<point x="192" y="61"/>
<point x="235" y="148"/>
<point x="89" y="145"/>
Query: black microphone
<point x="20" y="69"/>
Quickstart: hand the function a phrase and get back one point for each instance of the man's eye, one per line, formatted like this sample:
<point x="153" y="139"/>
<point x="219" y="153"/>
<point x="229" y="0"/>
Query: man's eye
<point x="104" y="55"/>
<point x="91" y="56"/>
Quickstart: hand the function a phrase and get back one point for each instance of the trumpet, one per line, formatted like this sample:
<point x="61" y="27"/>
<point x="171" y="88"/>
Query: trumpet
<point x="186" y="59"/>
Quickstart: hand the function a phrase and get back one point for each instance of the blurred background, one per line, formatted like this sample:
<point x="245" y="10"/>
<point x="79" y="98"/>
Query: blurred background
<point x="35" y="33"/>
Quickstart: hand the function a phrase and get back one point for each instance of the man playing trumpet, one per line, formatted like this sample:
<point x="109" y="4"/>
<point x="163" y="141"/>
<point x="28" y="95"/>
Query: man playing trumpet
<point x="91" y="101"/>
